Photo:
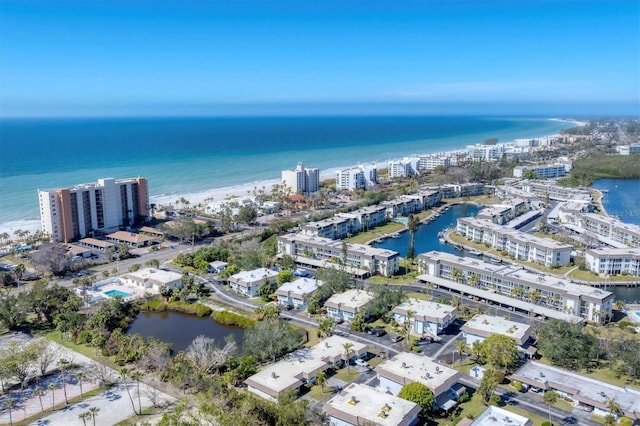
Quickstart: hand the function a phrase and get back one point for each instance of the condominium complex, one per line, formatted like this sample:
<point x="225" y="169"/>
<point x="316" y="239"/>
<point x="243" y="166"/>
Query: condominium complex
<point x="590" y="303"/>
<point x="518" y="244"/>
<point x="345" y="306"/>
<point x="405" y="205"/>
<point x="612" y="261"/>
<point x="543" y="171"/>
<point x="425" y="317"/>
<point x="625" y="233"/>
<point x="478" y="328"/>
<point x="301" y="180"/>
<point x="430" y="162"/>
<point x="72" y="213"/>
<point x="358" y="259"/>
<point x="481" y="152"/>
<point x="407" y="167"/>
<point x="503" y="213"/>
<point x="628" y="149"/>
<point x="360" y="177"/>
<point x="343" y="225"/>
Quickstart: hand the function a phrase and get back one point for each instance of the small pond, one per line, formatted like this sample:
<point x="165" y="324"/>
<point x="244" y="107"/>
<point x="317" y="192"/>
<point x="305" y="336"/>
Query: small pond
<point x="180" y="329"/>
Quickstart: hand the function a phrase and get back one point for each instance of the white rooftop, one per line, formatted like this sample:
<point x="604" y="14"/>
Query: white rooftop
<point x="353" y="299"/>
<point x="496" y="416"/>
<point x="486" y="325"/>
<point x="253" y="276"/>
<point x="424" y="310"/>
<point x="407" y="367"/>
<point x="361" y="404"/>
<point x="158" y="275"/>
<point x="300" y="286"/>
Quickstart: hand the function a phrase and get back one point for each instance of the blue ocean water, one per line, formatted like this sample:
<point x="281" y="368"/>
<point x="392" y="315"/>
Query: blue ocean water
<point x="621" y="199"/>
<point x="191" y="155"/>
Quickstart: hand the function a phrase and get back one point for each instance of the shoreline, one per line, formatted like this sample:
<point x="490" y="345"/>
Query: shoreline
<point x="245" y="189"/>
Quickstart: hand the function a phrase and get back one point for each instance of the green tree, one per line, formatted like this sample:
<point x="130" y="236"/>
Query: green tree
<point x="348" y="350"/>
<point x="566" y="345"/>
<point x="385" y="298"/>
<point x="267" y="340"/>
<point x="246" y="214"/>
<point x="284" y="276"/>
<point x="152" y="263"/>
<point x="325" y="327"/>
<point x="500" y="351"/>
<point x="321" y="379"/>
<point x="413" y="223"/>
<point x="93" y="411"/>
<point x="550" y="398"/>
<point x="420" y="394"/>
<point x="488" y="384"/>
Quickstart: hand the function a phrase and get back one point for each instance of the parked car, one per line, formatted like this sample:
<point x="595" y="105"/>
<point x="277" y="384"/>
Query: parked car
<point x="362" y="363"/>
<point x="396" y="338"/>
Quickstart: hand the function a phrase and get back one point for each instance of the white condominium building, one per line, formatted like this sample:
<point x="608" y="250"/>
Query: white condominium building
<point x="319" y="252"/>
<point x="557" y="293"/>
<point x="407" y="167"/>
<point x="612" y="261"/>
<point x="628" y="149"/>
<point x="543" y="171"/>
<point x="360" y="177"/>
<point x="344" y="224"/>
<point x="481" y="152"/>
<point x="72" y="213"/>
<point x="430" y="162"/>
<point x="612" y="228"/>
<point x="301" y="180"/>
<point x="518" y="244"/>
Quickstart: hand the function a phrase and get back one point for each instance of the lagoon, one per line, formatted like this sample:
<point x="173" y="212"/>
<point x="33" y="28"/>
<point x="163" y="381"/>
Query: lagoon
<point x="180" y="329"/>
<point x="426" y="238"/>
<point x="621" y="198"/>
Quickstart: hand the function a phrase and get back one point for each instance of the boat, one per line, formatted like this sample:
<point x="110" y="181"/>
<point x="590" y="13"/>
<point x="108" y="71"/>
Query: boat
<point x="442" y="240"/>
<point x="475" y="253"/>
<point x="395" y="235"/>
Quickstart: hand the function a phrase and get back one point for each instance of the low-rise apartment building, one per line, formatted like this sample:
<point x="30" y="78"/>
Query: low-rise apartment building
<point x="249" y="282"/>
<point x="359" y="405"/>
<point x="316" y="252"/>
<point x="583" y="392"/>
<point x="343" y="225"/>
<point x="518" y="244"/>
<point x="496" y="416"/>
<point x="503" y="213"/>
<point x="154" y="279"/>
<point x="478" y="328"/>
<point x="406" y="368"/>
<point x="302" y="366"/>
<point x="424" y="316"/>
<point x="345" y="306"/>
<point x="583" y="301"/>
<point x="297" y="293"/>
<point x="405" y="205"/>
<point x="543" y="171"/>
<point x="612" y="261"/>
<point x="625" y="233"/>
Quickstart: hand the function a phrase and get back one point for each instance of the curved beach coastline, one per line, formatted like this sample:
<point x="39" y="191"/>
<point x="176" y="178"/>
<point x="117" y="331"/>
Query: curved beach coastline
<point x="394" y="150"/>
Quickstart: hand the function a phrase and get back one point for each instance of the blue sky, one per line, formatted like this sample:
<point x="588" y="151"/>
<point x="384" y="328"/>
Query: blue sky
<point x="127" y="57"/>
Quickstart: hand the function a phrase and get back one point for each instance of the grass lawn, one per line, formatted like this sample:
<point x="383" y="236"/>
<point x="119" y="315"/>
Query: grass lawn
<point x="378" y="232"/>
<point x="347" y="376"/>
<point x="85" y="350"/>
<point x="312" y="333"/>
<point x="465" y="366"/>
<point x="133" y="420"/>
<point x="318" y="394"/>
<point x="419" y="296"/>
<point x="590" y="276"/>
<point x="396" y="279"/>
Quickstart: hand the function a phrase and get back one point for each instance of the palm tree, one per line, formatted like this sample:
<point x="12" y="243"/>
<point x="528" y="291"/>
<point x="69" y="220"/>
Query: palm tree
<point x="620" y="304"/>
<point x="79" y="376"/>
<point x="124" y="376"/>
<point x="347" y="353"/>
<point x="9" y="404"/>
<point x="93" y="411"/>
<point x="63" y="365"/>
<point x="550" y="398"/>
<point x="412" y="225"/>
<point x="457" y="275"/>
<point x="410" y="315"/>
<point x="474" y="280"/>
<point x="39" y="391"/>
<point x="461" y="348"/>
<point x="321" y="379"/>
<point x="84" y="417"/>
<point x="613" y="407"/>
<point x="137" y="376"/>
<point x="52" y="387"/>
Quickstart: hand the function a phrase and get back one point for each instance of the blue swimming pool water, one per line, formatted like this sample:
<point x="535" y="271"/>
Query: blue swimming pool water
<point x="638" y="314"/>
<point x="114" y="293"/>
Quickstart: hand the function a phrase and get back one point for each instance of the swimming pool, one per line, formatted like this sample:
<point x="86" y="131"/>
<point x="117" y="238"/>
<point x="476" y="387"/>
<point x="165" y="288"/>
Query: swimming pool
<point x="114" y="293"/>
<point x="638" y="314"/>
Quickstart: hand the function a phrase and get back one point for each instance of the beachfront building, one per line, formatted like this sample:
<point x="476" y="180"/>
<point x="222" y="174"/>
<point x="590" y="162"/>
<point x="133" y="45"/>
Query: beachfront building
<point x="450" y="271"/>
<point x="406" y="368"/>
<point x="73" y="213"/>
<point x="407" y="167"/>
<point x="359" y="177"/>
<point x="361" y="260"/>
<point x="543" y="171"/>
<point x="154" y="279"/>
<point x="358" y="405"/>
<point x="345" y="306"/>
<point x="301" y="180"/>
<point x="249" y="282"/>
<point x="297" y="293"/>
<point x="583" y="392"/>
<point x="302" y="366"/>
<point x="612" y="228"/>
<point x="496" y="416"/>
<point x="612" y="261"/>
<point x="520" y="245"/>
<point x="481" y="152"/>
<point x="405" y="205"/>
<point x="429" y="162"/>
<point x="425" y="317"/>
<point x="478" y="328"/>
